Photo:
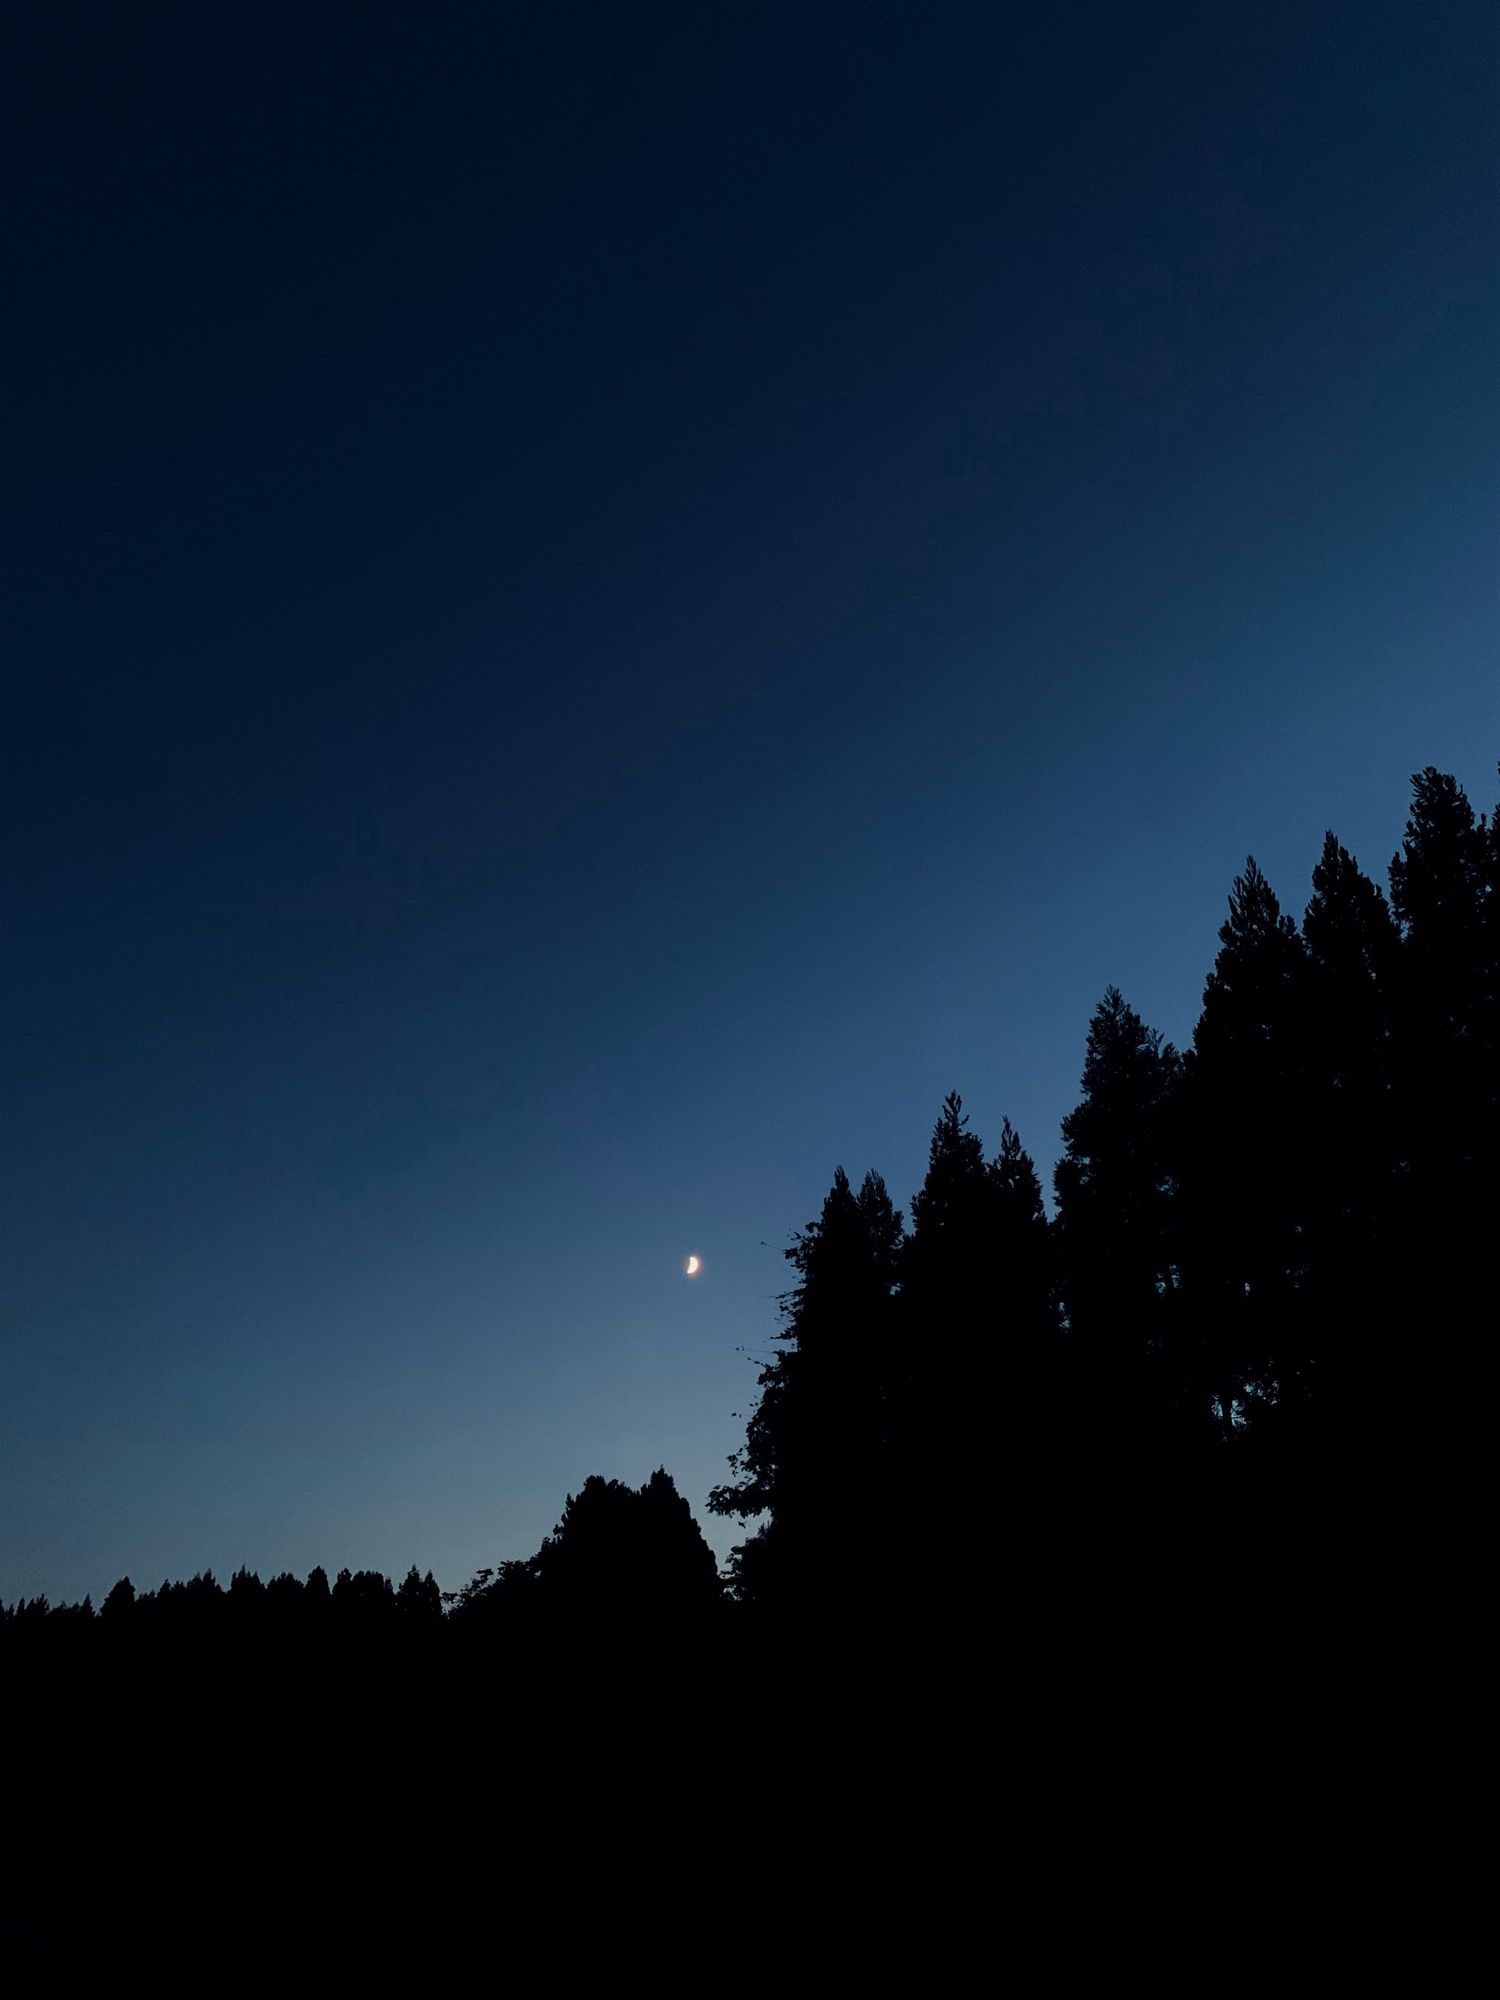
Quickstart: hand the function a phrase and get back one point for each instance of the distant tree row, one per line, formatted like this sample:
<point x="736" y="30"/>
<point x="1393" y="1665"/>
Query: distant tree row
<point x="621" y="1553"/>
<point x="359" y="1601"/>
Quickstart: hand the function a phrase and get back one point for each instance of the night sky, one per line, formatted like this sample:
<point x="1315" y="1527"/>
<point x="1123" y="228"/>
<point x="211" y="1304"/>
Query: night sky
<point x="599" y="607"/>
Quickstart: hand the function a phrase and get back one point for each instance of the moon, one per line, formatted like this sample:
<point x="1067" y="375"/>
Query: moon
<point x="693" y="1265"/>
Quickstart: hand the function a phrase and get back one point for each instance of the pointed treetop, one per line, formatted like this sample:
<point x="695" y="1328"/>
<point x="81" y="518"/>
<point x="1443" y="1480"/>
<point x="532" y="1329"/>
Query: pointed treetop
<point x="881" y="1217"/>
<point x="1128" y="1072"/>
<point x="954" y="1148"/>
<point x="1254" y="910"/>
<point x="1260" y="959"/>
<point x="1437" y="878"/>
<point x="1013" y="1173"/>
<point x="1347" y="925"/>
<point x="839" y="1225"/>
<point x="956" y="1171"/>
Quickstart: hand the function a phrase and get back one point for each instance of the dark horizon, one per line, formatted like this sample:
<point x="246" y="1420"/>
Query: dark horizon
<point x="600" y="610"/>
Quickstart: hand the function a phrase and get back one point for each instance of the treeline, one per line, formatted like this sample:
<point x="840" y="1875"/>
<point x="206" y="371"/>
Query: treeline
<point x="1268" y="1283"/>
<point x="1113" y="1578"/>
<point x="1263" y="1307"/>
<point x="632" y="1556"/>
<point x="362" y="1601"/>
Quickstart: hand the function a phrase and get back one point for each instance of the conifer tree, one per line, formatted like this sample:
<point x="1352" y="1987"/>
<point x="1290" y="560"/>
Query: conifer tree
<point x="1117" y="1228"/>
<point x="818" y="1444"/>
<point x="1352" y="948"/>
<point x="1439" y="884"/>
<point x="1442" y="894"/>
<point x="1353" y="952"/>
<point x="1025" y="1257"/>
<point x="678" y="1576"/>
<point x="952" y="1212"/>
<point x="317" y="1601"/>
<point x="1030" y="1459"/>
<point x="1246" y="1163"/>
<point x="951" y="1366"/>
<point x="1129" y="1390"/>
<point x="1491" y="917"/>
<point x="118" y="1607"/>
<point x="418" y="1599"/>
<point x="1448" y="1080"/>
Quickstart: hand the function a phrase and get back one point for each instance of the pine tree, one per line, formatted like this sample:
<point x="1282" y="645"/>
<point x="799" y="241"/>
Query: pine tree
<point x="1245" y="1165"/>
<point x="1130" y="1393"/>
<point x="1448" y="1083"/>
<point x="418" y="1600"/>
<point x="1439" y="882"/>
<point x="818" y="1444"/>
<point x="951" y="1213"/>
<point x="1032" y="1459"/>
<point x="1353" y="950"/>
<point x="1116" y="1213"/>
<point x="118" y="1608"/>
<point x="678" y="1577"/>
<point x="1491" y="922"/>
<point x="1022" y="1233"/>
<point x="1442" y="894"/>
<point x="950" y="1372"/>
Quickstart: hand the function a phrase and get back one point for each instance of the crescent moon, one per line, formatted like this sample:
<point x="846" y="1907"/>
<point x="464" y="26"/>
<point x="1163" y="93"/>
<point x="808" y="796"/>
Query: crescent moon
<point x="693" y="1266"/>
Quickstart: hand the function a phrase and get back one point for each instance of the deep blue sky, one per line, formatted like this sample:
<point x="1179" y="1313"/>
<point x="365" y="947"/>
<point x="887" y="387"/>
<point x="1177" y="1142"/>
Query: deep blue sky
<point x="598" y="607"/>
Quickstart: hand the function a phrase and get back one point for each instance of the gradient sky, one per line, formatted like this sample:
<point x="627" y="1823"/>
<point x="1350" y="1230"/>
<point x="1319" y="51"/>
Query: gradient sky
<point x="601" y="605"/>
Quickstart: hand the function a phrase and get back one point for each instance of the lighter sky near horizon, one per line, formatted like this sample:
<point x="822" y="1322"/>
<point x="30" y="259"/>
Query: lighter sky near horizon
<point x="600" y="605"/>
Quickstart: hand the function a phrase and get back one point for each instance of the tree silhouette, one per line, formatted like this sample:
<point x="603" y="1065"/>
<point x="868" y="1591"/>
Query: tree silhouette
<point x="1244" y="1167"/>
<point x="625" y="1555"/>
<point x="947" y="1363"/>
<point x="119" y="1606"/>
<point x="819" y="1442"/>
<point x="1448" y="1086"/>
<point x="977" y="1350"/>
<point x="1353" y="950"/>
<point x="1117" y="1220"/>
<point x="419" y="1600"/>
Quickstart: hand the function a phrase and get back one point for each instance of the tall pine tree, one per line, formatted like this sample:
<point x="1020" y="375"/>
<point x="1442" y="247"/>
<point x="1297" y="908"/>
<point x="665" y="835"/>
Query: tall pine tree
<point x="816" y="1463"/>
<point x="1244" y="1166"/>
<point x="1352" y="1200"/>
<point x="1117" y="1227"/>
<point x="1448" y="1080"/>
<point x="948" y="1363"/>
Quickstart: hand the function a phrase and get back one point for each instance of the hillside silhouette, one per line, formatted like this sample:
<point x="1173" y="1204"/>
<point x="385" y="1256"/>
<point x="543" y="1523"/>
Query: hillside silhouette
<point x="1109" y="1597"/>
